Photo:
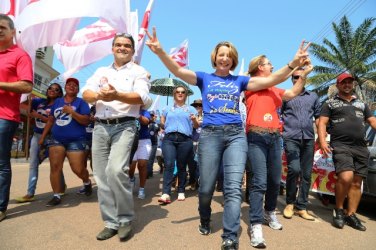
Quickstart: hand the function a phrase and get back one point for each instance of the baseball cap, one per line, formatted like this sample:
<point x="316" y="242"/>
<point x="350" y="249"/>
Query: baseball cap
<point x="344" y="76"/>
<point x="71" y="79"/>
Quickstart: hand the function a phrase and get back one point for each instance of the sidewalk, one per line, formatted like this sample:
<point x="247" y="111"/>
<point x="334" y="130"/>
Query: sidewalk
<point x="75" y="223"/>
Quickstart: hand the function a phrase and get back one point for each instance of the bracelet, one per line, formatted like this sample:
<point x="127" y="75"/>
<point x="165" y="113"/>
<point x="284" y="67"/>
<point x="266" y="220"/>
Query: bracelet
<point x="288" y="65"/>
<point x="303" y="78"/>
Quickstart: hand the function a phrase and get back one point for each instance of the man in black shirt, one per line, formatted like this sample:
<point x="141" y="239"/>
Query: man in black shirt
<point x="346" y="115"/>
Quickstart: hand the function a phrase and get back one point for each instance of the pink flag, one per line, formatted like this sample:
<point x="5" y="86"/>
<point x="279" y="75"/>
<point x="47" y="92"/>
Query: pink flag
<point x="12" y="7"/>
<point x="88" y="45"/>
<point x="141" y="33"/>
<point x="180" y="54"/>
<point x="46" y="22"/>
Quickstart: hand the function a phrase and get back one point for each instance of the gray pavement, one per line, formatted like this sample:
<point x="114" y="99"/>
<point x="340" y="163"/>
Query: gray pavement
<point x="75" y="223"/>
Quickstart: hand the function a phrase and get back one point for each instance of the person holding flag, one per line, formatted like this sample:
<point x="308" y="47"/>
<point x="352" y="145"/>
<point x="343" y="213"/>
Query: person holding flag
<point x="222" y="135"/>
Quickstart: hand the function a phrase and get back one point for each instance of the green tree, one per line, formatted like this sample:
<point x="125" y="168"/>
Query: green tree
<point x="354" y="52"/>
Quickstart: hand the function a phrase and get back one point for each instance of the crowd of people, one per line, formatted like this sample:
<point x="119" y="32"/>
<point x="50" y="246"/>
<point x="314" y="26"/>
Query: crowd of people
<point x="218" y="137"/>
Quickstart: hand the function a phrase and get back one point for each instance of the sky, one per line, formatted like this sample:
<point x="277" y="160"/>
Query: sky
<point x="271" y="27"/>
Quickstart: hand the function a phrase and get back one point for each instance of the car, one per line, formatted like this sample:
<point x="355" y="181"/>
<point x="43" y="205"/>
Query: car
<point x="369" y="184"/>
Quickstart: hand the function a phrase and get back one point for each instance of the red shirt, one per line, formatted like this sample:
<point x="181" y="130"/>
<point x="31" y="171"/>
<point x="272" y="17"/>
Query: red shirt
<point x="15" y="65"/>
<point x="262" y="107"/>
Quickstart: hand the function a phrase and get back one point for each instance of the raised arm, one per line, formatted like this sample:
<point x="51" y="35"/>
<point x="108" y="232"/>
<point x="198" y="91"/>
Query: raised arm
<point x="298" y="87"/>
<point x="186" y="75"/>
<point x="300" y="58"/>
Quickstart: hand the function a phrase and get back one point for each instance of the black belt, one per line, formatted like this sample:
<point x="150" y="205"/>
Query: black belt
<point x="116" y="120"/>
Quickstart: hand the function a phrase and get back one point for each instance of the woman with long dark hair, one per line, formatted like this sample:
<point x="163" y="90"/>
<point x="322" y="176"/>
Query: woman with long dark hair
<point x="40" y="109"/>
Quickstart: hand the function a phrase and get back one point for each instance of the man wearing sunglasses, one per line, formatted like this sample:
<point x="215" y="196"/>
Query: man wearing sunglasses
<point x="298" y="115"/>
<point x="16" y="78"/>
<point x="118" y="91"/>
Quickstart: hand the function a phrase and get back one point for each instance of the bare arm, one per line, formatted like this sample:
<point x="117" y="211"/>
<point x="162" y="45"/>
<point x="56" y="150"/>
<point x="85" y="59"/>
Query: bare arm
<point x="19" y="87"/>
<point x="300" y="58"/>
<point x="323" y="121"/>
<point x="186" y="75"/>
<point x="298" y="87"/>
<point x="372" y="122"/>
<point x="162" y="123"/>
<point x="47" y="128"/>
<point x="143" y="120"/>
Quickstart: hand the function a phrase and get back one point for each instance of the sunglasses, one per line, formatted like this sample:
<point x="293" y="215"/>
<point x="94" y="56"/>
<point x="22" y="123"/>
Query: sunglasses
<point x="56" y="90"/>
<point x="295" y="77"/>
<point x="180" y="92"/>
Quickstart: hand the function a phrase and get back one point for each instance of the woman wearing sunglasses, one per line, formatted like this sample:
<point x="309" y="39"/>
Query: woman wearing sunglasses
<point x="222" y="135"/>
<point x="178" y="121"/>
<point x="264" y="145"/>
<point x="40" y="109"/>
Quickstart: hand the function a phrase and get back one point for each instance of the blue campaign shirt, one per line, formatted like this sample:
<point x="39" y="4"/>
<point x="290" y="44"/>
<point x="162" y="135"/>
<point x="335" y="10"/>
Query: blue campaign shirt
<point x="65" y="128"/>
<point x="220" y="98"/>
<point x="41" y="107"/>
<point x="144" y="129"/>
<point x="178" y="119"/>
<point x="298" y="114"/>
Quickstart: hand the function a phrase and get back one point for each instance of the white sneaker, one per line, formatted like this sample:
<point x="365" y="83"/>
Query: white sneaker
<point x="141" y="194"/>
<point x="181" y="197"/>
<point x="271" y="218"/>
<point x="257" y="240"/>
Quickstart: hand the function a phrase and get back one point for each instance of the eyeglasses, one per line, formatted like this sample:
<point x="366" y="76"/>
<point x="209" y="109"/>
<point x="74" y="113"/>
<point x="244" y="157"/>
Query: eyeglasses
<point x="56" y="90"/>
<point x="268" y="63"/>
<point x="295" y="77"/>
<point x="180" y="92"/>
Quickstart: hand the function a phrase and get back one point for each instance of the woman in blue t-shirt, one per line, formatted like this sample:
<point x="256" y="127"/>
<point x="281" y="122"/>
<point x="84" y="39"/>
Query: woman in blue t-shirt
<point x="222" y="135"/>
<point x="178" y="121"/>
<point x="67" y="121"/>
<point x="40" y="109"/>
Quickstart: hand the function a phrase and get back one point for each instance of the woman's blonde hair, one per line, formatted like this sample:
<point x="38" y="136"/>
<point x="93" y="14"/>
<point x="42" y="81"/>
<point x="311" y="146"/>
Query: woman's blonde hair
<point x="254" y="63"/>
<point x="233" y="54"/>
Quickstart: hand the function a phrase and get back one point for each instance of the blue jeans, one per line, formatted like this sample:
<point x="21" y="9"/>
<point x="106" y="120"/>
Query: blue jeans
<point x="227" y="143"/>
<point x="265" y="156"/>
<point x="34" y="164"/>
<point x="151" y="159"/>
<point x="299" y="154"/>
<point x="175" y="146"/>
<point x="111" y="150"/>
<point x="7" y="130"/>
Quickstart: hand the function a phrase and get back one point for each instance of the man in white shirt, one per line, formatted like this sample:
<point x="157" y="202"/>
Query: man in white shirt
<point x="119" y="91"/>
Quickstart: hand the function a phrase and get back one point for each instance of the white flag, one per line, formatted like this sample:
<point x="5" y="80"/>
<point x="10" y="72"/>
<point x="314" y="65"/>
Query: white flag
<point x="180" y="54"/>
<point x="46" y="22"/>
<point x="141" y="33"/>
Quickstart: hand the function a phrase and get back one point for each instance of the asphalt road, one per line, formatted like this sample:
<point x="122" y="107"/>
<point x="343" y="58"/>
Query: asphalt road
<point x="75" y="223"/>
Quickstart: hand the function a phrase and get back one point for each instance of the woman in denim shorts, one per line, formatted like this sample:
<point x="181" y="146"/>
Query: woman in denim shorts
<point x="67" y="121"/>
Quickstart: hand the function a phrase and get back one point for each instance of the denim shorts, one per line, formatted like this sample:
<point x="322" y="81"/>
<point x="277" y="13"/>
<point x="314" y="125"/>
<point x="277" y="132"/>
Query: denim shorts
<point x="78" y="145"/>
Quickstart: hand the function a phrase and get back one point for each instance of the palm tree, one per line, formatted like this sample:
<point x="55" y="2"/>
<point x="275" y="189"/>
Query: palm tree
<point x="355" y="53"/>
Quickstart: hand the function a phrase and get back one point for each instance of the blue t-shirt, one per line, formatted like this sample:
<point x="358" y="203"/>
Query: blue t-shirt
<point x="65" y="128"/>
<point x="178" y="119"/>
<point x="144" y="129"/>
<point x="220" y="98"/>
<point x="41" y="107"/>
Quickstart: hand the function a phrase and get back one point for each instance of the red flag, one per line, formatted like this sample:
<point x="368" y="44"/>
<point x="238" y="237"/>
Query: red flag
<point x="141" y="33"/>
<point x="180" y="54"/>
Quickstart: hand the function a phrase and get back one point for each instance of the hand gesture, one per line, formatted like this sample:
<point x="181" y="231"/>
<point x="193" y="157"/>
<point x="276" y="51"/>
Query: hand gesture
<point x="301" y="55"/>
<point x="308" y="67"/>
<point x="68" y="109"/>
<point x="153" y="42"/>
<point x="108" y="95"/>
